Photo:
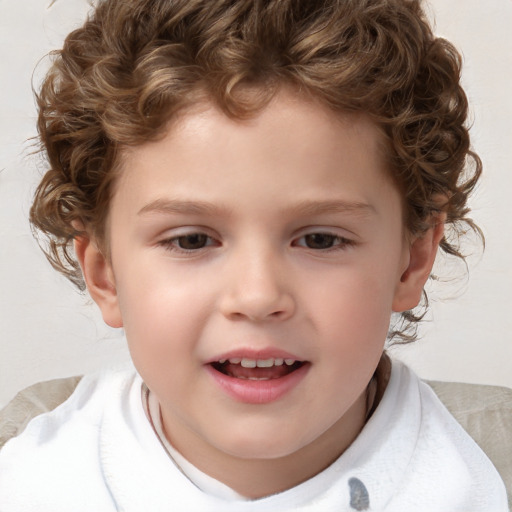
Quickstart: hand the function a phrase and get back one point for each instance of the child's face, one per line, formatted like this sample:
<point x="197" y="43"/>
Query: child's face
<point x="276" y="238"/>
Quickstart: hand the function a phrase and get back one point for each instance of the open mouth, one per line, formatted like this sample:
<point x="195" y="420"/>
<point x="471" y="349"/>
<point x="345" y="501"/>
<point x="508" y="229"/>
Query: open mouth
<point x="257" y="369"/>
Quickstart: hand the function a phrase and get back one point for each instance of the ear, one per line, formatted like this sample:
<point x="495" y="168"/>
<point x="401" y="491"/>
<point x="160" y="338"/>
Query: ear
<point x="421" y="256"/>
<point x="99" y="278"/>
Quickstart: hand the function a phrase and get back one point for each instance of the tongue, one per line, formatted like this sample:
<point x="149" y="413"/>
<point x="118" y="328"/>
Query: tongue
<point x="239" y="372"/>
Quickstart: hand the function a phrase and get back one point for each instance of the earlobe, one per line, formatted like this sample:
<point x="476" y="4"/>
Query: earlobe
<point x="99" y="278"/>
<point x="421" y="256"/>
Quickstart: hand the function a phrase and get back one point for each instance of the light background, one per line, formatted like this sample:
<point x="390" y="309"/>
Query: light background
<point x="48" y="330"/>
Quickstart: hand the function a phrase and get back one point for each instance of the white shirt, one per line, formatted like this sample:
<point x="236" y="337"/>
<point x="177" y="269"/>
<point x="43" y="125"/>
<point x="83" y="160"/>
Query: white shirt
<point x="98" y="452"/>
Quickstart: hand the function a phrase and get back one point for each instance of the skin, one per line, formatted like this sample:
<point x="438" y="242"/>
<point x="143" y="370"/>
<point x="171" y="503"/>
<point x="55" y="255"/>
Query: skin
<point x="259" y="280"/>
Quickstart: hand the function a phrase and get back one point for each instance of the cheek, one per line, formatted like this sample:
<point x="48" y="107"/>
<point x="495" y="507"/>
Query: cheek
<point x="161" y="334"/>
<point x="353" y="296"/>
<point x="157" y="313"/>
<point x="353" y="312"/>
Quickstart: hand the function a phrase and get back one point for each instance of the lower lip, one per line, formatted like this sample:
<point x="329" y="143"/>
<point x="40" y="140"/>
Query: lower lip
<point x="258" y="391"/>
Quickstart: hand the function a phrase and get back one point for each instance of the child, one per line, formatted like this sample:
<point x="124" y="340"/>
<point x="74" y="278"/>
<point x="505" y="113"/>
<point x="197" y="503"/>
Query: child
<point x="252" y="188"/>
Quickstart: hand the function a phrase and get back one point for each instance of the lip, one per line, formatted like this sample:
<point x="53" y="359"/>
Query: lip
<point x="257" y="391"/>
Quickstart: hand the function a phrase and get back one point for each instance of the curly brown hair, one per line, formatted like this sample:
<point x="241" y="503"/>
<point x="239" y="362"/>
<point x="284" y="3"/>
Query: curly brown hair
<point x="133" y="65"/>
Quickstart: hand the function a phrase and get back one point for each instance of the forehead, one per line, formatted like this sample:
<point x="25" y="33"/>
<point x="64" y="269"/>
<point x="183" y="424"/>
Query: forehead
<point x="292" y="148"/>
<point x="304" y="125"/>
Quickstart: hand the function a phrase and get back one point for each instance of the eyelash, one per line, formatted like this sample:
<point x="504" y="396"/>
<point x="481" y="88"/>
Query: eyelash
<point x="336" y="242"/>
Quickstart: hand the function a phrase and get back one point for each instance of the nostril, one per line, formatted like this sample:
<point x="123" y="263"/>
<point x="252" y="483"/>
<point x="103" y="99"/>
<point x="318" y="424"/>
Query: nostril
<point x="257" y="316"/>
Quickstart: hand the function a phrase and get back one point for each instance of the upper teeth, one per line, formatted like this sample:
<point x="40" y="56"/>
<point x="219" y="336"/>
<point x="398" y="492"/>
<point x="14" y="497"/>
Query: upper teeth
<point x="260" y="363"/>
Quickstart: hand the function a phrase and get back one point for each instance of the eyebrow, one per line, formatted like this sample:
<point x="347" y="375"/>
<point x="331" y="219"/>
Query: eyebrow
<point x="335" y="206"/>
<point x="303" y="208"/>
<point x="175" y="206"/>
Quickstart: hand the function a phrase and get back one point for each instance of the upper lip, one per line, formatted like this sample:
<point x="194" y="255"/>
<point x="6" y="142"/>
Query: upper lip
<point x="248" y="353"/>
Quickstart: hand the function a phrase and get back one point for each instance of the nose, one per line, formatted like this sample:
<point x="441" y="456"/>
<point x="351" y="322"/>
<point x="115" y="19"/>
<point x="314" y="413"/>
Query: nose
<point x="257" y="288"/>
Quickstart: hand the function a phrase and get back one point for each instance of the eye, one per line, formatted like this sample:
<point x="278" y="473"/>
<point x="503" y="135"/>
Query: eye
<point x="323" y="241"/>
<point x="189" y="242"/>
<point x="319" y="241"/>
<point x="192" y="242"/>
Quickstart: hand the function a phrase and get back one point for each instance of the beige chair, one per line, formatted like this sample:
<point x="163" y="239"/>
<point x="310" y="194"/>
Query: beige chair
<point x="485" y="412"/>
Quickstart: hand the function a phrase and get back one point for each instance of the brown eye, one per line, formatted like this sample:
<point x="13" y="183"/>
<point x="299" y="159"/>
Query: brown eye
<point x="192" y="241"/>
<point x="320" y="240"/>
